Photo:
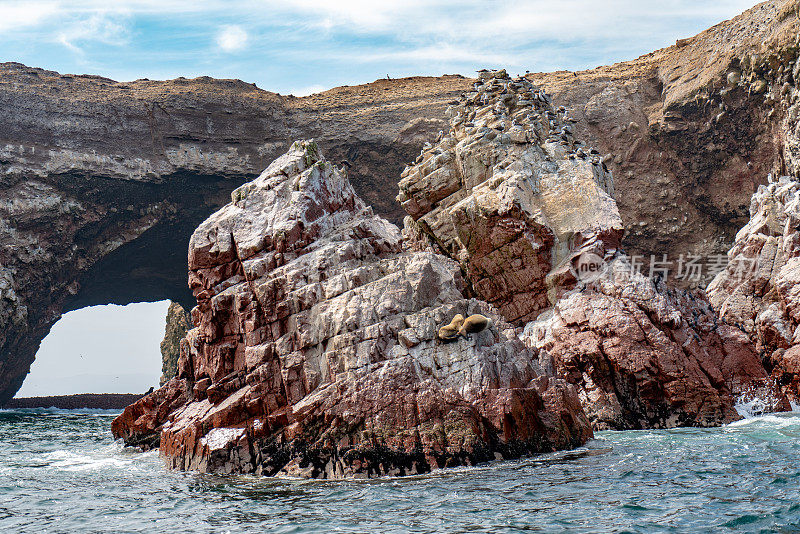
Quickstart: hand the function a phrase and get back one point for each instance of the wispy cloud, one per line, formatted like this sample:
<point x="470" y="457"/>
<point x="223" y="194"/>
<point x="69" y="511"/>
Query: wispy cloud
<point x="288" y="44"/>
<point x="101" y="28"/>
<point x="22" y="15"/>
<point x="231" y="38"/>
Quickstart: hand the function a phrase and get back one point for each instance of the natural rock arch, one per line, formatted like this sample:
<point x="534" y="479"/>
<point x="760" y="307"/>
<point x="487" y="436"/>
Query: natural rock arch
<point x="102" y="183"/>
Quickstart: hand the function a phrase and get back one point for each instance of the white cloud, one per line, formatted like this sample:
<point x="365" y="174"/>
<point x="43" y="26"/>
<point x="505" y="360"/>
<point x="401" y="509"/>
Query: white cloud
<point x="106" y="29"/>
<point x="232" y="38"/>
<point x="20" y="15"/>
<point x="351" y="40"/>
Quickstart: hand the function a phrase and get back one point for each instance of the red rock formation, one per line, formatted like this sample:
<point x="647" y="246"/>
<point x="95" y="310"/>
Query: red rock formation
<point x="511" y="195"/>
<point x="315" y="352"/>
<point x="139" y="423"/>
<point x="688" y="138"/>
<point x="524" y="207"/>
<point x="760" y="289"/>
<point x="646" y="356"/>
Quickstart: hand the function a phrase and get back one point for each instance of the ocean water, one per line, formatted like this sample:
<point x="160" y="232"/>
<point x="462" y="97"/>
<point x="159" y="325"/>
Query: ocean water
<point x="60" y="471"/>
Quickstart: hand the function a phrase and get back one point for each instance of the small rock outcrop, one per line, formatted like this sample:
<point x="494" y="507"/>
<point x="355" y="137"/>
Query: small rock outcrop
<point x="759" y="291"/>
<point x="647" y="356"/>
<point x="179" y="321"/>
<point x="528" y="212"/>
<point x="316" y="353"/>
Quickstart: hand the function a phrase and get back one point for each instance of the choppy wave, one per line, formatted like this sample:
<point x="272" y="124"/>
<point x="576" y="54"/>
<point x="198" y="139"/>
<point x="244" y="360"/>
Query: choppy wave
<point x="60" y="471"/>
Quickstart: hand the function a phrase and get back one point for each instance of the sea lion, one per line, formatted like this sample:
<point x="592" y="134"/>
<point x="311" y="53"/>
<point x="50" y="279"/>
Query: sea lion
<point x="451" y="331"/>
<point x="474" y="324"/>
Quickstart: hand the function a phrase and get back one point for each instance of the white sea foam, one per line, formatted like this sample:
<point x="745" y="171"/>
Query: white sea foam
<point x="754" y="407"/>
<point x="769" y="420"/>
<point x="72" y="461"/>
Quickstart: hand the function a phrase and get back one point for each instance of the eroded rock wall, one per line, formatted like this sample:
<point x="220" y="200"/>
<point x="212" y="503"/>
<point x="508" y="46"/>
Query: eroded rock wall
<point x="102" y="183"/>
<point x="758" y="292"/>
<point x="644" y="355"/>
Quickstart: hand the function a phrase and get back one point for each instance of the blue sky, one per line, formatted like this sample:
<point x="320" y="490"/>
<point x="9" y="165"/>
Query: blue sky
<point x="304" y="46"/>
<point x="299" y="47"/>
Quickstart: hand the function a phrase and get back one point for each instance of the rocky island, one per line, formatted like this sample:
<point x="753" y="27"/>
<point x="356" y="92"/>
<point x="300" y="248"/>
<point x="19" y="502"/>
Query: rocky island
<point x="314" y="346"/>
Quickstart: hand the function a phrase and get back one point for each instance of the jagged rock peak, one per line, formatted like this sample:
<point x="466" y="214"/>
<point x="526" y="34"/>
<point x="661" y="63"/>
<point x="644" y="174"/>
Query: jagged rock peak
<point x="512" y="195"/>
<point x="315" y="351"/>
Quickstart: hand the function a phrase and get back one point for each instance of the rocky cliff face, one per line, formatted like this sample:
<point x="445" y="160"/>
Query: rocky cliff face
<point x="528" y="212"/>
<point x="103" y="181"/>
<point x="758" y="292"/>
<point x="316" y="350"/>
<point x="644" y="355"/>
<point x="510" y="194"/>
<point x="316" y="354"/>
<point x="691" y="130"/>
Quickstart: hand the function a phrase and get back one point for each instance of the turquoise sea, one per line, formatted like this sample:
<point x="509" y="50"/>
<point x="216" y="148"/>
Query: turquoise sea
<point x="60" y="471"/>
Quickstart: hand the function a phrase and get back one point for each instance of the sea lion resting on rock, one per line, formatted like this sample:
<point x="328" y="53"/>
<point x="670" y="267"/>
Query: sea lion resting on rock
<point x="463" y="327"/>
<point x="451" y="331"/>
<point x="474" y="324"/>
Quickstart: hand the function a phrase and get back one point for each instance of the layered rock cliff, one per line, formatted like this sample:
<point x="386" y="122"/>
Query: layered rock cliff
<point x="315" y="352"/>
<point x="691" y="130"/>
<point x="102" y="181"/>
